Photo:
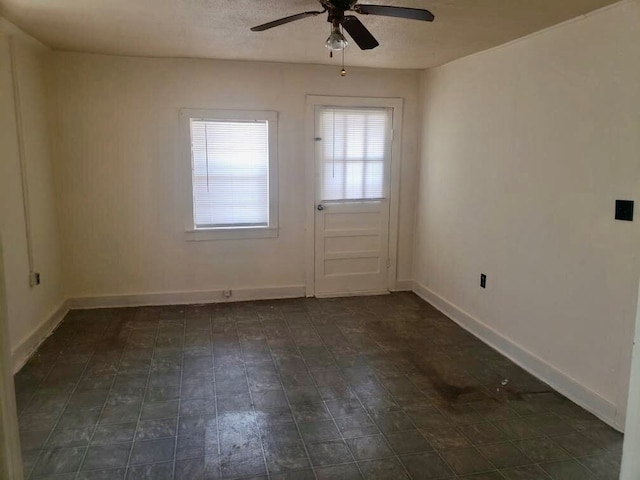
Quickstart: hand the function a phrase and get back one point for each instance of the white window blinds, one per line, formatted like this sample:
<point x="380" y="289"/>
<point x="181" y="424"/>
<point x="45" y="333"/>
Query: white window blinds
<point x="355" y="146"/>
<point x="230" y="173"/>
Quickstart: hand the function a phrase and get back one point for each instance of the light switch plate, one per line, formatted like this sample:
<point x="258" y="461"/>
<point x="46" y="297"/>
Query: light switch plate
<point x="624" y="210"/>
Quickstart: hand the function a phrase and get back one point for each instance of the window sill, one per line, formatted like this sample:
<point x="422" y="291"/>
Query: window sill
<point x="203" y="235"/>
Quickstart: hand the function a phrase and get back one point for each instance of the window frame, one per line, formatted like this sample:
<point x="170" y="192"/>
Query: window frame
<point x="192" y="233"/>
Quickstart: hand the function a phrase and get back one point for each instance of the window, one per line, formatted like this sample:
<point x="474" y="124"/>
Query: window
<point x="354" y="148"/>
<point x="233" y="173"/>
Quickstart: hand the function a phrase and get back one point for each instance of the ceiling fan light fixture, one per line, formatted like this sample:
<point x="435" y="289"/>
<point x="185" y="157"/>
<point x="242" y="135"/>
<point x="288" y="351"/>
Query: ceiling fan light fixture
<point x="336" y="40"/>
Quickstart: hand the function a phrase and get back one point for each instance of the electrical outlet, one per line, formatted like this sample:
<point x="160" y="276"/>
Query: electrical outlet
<point x="34" y="278"/>
<point x="483" y="280"/>
<point x="227" y="293"/>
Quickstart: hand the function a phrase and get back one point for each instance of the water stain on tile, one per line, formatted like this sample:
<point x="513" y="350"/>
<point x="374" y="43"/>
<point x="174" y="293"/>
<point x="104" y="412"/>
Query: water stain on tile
<point x="329" y="387"/>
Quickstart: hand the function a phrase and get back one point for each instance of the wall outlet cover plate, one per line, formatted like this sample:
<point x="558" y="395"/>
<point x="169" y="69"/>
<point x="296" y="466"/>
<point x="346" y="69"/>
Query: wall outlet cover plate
<point x="624" y="210"/>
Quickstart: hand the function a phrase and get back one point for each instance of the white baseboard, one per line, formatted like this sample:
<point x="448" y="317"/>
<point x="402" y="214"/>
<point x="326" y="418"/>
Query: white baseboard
<point x="361" y="293"/>
<point x="185" y="298"/>
<point x="404" y="286"/>
<point x="21" y="353"/>
<point x="560" y="381"/>
<point x="24" y="350"/>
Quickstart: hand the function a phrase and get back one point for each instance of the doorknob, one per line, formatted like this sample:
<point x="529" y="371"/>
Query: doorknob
<point x="320" y="207"/>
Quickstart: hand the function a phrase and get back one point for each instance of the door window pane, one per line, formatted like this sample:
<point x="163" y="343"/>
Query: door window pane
<point x="355" y="147"/>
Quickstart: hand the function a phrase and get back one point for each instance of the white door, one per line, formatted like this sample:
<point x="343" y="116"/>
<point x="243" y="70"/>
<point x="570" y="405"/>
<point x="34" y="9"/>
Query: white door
<point x="353" y="165"/>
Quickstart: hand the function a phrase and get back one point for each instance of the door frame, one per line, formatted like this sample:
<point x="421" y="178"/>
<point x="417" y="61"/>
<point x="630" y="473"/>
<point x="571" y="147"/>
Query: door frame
<point x="630" y="469"/>
<point x="10" y="454"/>
<point x="396" y="104"/>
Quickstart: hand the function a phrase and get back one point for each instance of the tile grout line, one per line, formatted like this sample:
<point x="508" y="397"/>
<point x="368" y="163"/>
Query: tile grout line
<point x="55" y="424"/>
<point x="402" y="409"/>
<point x="353" y="328"/>
<point x="578" y="459"/>
<point x="146" y="387"/>
<point x="215" y="392"/>
<point x="286" y="395"/>
<point x="253" y="407"/>
<point x="512" y="441"/>
<point x="394" y="455"/>
<point x="384" y="436"/>
<point x="66" y="404"/>
<point x="405" y="375"/>
<point x="453" y="425"/>
<point x="324" y="403"/>
<point x="21" y="409"/>
<point x="104" y="405"/>
<point x="184" y="339"/>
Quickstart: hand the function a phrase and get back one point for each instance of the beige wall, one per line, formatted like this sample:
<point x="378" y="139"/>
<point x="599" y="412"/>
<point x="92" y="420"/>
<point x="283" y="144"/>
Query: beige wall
<point x="29" y="308"/>
<point x="525" y="149"/>
<point x="120" y="160"/>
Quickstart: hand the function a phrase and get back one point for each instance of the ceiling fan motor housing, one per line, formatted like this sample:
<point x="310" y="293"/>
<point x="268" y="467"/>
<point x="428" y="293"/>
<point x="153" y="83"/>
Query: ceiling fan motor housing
<point x="339" y="4"/>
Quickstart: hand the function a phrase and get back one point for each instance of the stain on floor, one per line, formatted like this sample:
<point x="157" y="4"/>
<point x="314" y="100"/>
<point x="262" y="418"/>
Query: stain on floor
<point x="381" y="387"/>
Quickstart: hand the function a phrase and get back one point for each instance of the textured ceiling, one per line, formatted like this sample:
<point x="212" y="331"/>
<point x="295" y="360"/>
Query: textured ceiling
<point x="220" y="28"/>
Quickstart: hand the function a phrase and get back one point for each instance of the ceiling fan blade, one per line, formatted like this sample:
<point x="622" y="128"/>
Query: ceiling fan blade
<point x="400" y="12"/>
<point x="359" y="32"/>
<point x="282" y="21"/>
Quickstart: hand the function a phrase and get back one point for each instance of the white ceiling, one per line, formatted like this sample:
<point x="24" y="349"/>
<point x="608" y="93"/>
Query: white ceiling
<point x="220" y="28"/>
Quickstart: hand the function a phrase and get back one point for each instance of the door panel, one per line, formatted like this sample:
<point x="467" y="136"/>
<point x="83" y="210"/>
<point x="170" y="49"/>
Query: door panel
<point x="339" y="244"/>
<point x="351" y="233"/>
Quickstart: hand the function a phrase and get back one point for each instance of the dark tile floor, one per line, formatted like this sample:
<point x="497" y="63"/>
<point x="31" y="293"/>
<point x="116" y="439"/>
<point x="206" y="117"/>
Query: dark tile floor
<point x="371" y="387"/>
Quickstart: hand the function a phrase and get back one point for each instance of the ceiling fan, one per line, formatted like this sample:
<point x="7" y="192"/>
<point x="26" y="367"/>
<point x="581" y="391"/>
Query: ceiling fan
<point x="336" y="16"/>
